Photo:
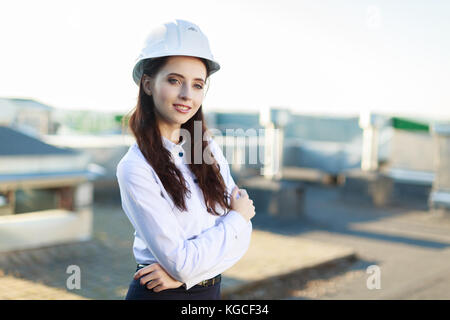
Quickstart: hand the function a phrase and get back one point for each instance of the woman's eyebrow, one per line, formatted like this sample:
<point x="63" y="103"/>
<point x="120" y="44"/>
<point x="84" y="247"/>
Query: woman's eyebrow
<point x="181" y="76"/>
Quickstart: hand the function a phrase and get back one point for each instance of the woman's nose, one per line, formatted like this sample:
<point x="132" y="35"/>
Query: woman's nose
<point x="185" y="92"/>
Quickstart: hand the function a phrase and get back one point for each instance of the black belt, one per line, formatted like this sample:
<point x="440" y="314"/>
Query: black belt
<point x="204" y="283"/>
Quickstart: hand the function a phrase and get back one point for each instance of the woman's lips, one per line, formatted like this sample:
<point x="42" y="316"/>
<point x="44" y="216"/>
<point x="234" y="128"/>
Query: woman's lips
<point x="181" y="108"/>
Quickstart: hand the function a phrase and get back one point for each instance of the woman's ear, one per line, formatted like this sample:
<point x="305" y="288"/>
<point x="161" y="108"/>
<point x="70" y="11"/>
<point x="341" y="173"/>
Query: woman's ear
<point x="146" y="85"/>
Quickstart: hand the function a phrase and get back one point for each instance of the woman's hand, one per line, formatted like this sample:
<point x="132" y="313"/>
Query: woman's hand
<point x="243" y="204"/>
<point x="159" y="279"/>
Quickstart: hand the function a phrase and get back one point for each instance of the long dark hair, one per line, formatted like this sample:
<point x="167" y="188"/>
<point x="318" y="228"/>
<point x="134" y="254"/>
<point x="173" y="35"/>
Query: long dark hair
<point x="142" y="123"/>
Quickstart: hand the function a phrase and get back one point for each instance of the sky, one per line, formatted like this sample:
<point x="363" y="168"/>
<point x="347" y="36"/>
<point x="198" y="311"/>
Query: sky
<point x="317" y="56"/>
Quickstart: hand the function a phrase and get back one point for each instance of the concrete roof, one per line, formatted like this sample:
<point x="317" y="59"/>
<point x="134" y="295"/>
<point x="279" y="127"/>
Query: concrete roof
<point x="14" y="143"/>
<point x="26" y="103"/>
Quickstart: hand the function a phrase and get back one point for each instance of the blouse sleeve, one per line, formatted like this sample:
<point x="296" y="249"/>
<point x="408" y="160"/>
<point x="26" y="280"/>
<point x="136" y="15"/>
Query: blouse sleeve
<point x="152" y="217"/>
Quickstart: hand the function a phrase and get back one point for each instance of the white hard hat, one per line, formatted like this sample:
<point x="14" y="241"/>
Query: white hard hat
<point x="175" y="38"/>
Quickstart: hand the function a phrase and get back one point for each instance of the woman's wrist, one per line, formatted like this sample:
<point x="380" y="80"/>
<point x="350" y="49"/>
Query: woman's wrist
<point x="237" y="220"/>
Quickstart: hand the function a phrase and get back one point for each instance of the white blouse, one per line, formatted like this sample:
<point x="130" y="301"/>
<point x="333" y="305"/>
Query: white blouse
<point x="192" y="245"/>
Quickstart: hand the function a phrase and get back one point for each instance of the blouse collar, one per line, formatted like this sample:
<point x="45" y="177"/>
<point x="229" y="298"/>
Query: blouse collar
<point x="171" y="145"/>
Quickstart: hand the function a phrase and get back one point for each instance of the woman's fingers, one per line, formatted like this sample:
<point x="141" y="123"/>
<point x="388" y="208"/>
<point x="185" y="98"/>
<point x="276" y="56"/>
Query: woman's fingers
<point x="152" y="284"/>
<point x="243" y="193"/>
<point x="150" y="277"/>
<point x="143" y="271"/>
<point x="234" y="192"/>
<point x="159" y="288"/>
<point x="155" y="278"/>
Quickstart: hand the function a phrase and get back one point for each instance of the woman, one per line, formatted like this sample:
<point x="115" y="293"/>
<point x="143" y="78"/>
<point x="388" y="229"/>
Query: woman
<point x="191" y="221"/>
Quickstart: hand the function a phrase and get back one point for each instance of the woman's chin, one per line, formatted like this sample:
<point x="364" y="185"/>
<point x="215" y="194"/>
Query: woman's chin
<point x="183" y="118"/>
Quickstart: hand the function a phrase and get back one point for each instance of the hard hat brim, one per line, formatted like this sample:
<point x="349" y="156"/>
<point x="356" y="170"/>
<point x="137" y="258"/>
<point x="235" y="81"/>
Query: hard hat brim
<point x="138" y="69"/>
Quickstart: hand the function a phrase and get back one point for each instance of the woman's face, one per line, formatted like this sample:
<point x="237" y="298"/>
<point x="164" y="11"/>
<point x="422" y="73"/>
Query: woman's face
<point x="181" y="81"/>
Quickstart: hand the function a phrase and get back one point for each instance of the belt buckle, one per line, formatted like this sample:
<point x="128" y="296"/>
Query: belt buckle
<point x="208" y="282"/>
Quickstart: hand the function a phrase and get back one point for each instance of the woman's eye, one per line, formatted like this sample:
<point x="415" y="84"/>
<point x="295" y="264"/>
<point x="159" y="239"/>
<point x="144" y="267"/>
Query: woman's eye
<point x="173" y="81"/>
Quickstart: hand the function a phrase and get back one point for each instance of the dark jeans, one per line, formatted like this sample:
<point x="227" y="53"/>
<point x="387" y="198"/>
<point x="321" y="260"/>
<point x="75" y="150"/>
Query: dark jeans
<point x="136" y="291"/>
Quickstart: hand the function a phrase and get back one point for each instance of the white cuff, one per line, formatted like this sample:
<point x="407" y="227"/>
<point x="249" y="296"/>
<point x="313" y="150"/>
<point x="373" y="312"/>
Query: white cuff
<point x="236" y="220"/>
<point x="189" y="284"/>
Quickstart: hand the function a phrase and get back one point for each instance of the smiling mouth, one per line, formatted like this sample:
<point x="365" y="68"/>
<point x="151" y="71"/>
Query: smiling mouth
<point x="182" y="108"/>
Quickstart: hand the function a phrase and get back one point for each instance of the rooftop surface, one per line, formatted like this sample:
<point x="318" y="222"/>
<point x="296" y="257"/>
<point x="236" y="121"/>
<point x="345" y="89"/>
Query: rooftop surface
<point x="16" y="143"/>
<point x="410" y="245"/>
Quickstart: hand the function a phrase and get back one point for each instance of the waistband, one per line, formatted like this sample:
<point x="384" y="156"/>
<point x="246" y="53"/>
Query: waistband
<point x="204" y="283"/>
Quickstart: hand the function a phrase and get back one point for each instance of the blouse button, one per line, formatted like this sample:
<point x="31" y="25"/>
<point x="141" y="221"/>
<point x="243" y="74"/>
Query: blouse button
<point x="180" y="154"/>
<point x="195" y="180"/>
